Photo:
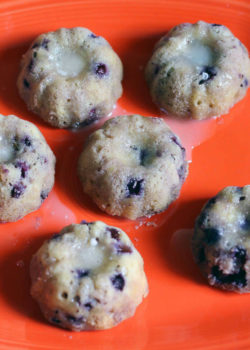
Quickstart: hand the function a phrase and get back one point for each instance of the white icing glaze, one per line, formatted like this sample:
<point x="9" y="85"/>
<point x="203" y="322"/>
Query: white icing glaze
<point x="69" y="64"/>
<point x="6" y="150"/>
<point x="199" y="54"/>
<point x="91" y="257"/>
<point x="93" y="242"/>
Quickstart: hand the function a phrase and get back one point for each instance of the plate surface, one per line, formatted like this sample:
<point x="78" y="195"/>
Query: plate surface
<point x="181" y="310"/>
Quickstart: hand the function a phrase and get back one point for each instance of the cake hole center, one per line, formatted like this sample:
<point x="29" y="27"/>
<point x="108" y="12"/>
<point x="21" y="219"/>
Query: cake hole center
<point x="91" y="257"/>
<point x="69" y="64"/>
<point x="200" y="54"/>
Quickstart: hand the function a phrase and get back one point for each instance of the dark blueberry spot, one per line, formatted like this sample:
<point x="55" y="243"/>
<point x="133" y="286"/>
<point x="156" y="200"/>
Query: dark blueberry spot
<point x="158" y="153"/>
<point x="35" y="54"/>
<point x="123" y="248"/>
<point x="74" y="320"/>
<point x="216" y="25"/>
<point x="16" y="144"/>
<point x="26" y="83"/>
<point x="144" y="154"/>
<point x="23" y="166"/>
<point x="242" y="198"/>
<point x="165" y="38"/>
<point x="238" y="189"/>
<point x="93" y="117"/>
<point x="65" y="295"/>
<point x="170" y="71"/>
<point x="35" y="46"/>
<point x="27" y="141"/>
<point x="77" y="299"/>
<point x="114" y="233"/>
<point x="204" y="213"/>
<point x="238" y="276"/>
<point x="245" y="82"/>
<point x="246" y="224"/>
<point x="55" y="320"/>
<point x="84" y="222"/>
<point x="56" y="237"/>
<point x="212" y="235"/>
<point x="17" y="190"/>
<point x="43" y="195"/>
<point x="118" y="281"/>
<point x="31" y="65"/>
<point x="201" y="255"/>
<point x="101" y="69"/>
<point x="88" y="306"/>
<point x="210" y="203"/>
<point x="176" y="141"/>
<point x="92" y="35"/>
<point x="44" y="44"/>
<point x="157" y="69"/>
<point x="208" y="73"/>
<point x="202" y="217"/>
<point x="135" y="187"/>
<point x="235" y="279"/>
<point x="82" y="273"/>
<point x="182" y="172"/>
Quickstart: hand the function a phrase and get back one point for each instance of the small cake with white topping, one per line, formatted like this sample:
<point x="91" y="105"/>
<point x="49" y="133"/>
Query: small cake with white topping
<point x="27" y="168"/>
<point x="70" y="77"/>
<point x="198" y="71"/>
<point x="88" y="277"/>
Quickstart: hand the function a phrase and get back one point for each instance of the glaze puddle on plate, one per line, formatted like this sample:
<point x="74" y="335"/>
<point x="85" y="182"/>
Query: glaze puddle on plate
<point x="191" y="132"/>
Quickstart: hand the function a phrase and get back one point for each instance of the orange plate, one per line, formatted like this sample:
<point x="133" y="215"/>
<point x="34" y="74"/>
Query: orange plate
<point x="181" y="311"/>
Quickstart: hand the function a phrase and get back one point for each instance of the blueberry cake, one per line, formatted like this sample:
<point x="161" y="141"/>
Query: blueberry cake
<point x="133" y="166"/>
<point x="27" y="167"/>
<point x="70" y="77"/>
<point x="88" y="277"/>
<point x="221" y="244"/>
<point x="198" y="71"/>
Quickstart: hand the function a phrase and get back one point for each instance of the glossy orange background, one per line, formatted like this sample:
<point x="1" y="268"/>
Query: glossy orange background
<point x="181" y="311"/>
